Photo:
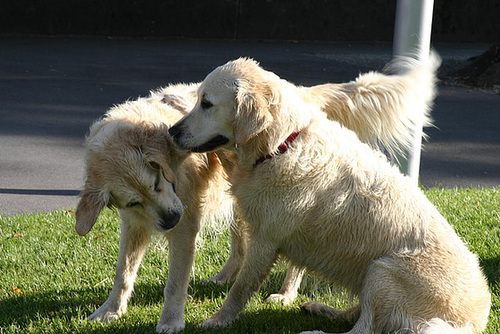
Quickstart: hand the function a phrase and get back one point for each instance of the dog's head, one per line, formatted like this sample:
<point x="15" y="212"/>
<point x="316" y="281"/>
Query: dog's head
<point x="129" y="166"/>
<point x="234" y="104"/>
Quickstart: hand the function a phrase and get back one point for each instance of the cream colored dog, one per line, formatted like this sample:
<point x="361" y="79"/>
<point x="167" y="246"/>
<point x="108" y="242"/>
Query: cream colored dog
<point x="310" y="189"/>
<point x="131" y="165"/>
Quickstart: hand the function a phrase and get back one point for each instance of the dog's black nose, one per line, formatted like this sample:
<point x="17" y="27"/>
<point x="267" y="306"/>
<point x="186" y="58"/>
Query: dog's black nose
<point x="175" y="130"/>
<point x="168" y="219"/>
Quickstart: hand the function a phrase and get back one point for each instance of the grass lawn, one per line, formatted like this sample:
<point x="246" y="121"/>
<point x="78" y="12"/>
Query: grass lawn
<point x="51" y="279"/>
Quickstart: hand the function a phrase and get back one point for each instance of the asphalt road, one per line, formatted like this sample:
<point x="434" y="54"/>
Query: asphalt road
<point x="51" y="90"/>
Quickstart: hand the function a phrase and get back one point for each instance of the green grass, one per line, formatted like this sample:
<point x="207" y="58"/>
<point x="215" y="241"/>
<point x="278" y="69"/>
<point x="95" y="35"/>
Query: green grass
<point x="51" y="279"/>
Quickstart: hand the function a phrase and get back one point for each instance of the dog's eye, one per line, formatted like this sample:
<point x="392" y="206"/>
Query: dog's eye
<point x="154" y="165"/>
<point x="133" y="204"/>
<point x="206" y="104"/>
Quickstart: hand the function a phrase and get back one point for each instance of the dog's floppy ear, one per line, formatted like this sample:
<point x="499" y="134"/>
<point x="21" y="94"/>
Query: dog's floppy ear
<point x="252" y="113"/>
<point x="180" y="103"/>
<point x="158" y="153"/>
<point x="91" y="203"/>
<point x="162" y="166"/>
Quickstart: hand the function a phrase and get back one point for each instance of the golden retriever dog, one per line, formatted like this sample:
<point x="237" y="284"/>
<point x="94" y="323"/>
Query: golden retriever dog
<point x="308" y="188"/>
<point x="131" y="165"/>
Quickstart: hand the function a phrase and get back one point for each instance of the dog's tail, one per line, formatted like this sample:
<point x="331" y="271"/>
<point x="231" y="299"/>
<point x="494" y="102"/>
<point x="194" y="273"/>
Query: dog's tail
<point x="439" y="326"/>
<point x="383" y="109"/>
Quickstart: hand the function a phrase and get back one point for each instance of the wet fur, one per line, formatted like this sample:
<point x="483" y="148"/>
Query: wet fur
<point x="335" y="206"/>
<point x="123" y="152"/>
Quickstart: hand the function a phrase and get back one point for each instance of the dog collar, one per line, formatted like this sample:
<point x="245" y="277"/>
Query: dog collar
<point x="282" y="148"/>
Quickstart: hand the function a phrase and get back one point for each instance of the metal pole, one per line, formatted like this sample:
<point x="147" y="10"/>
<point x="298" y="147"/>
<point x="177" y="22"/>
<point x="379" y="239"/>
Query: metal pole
<point x="412" y="37"/>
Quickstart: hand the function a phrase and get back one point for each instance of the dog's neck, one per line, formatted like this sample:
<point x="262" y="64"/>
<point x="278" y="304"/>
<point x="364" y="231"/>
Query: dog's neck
<point x="282" y="148"/>
<point x="288" y="117"/>
<point x="268" y="144"/>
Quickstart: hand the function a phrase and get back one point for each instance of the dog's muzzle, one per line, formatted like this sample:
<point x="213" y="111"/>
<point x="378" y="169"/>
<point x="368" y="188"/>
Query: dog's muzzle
<point x="168" y="219"/>
<point x="179" y="136"/>
<point x="211" y="145"/>
<point x="176" y="131"/>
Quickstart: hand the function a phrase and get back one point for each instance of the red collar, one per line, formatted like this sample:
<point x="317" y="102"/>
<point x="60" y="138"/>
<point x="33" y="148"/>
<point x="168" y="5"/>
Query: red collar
<point x="282" y="148"/>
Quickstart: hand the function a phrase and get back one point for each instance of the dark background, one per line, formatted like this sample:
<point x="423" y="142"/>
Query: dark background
<point x="52" y="89"/>
<point x="454" y="21"/>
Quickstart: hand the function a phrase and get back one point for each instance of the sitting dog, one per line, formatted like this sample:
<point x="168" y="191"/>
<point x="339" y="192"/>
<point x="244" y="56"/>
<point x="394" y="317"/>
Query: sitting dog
<point x="308" y="188"/>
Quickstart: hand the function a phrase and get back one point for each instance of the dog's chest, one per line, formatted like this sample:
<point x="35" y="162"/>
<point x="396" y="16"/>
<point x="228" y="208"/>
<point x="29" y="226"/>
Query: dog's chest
<point x="274" y="199"/>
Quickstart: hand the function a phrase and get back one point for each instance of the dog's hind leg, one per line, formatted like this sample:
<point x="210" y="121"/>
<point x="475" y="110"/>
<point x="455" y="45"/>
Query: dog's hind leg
<point x="291" y="284"/>
<point x="364" y="319"/>
<point x="314" y="308"/>
<point x="380" y="309"/>
<point x="238" y="249"/>
<point x="133" y="243"/>
<point x="383" y="298"/>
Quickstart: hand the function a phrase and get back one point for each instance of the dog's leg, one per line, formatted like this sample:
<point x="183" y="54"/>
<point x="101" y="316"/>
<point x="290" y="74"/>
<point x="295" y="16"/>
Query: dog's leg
<point x="181" y="242"/>
<point x="314" y="308"/>
<point x="257" y="265"/>
<point x="379" y="309"/>
<point x="233" y="263"/>
<point x="291" y="284"/>
<point x="238" y="249"/>
<point x="133" y="243"/>
<point x="364" y="319"/>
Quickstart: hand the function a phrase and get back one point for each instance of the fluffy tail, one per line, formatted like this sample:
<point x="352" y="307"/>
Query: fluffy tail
<point x="383" y="109"/>
<point x="438" y="326"/>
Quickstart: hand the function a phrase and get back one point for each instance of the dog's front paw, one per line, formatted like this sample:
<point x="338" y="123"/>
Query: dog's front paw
<point x="217" y="320"/>
<point x="170" y="327"/>
<point x="105" y="314"/>
<point x="279" y="298"/>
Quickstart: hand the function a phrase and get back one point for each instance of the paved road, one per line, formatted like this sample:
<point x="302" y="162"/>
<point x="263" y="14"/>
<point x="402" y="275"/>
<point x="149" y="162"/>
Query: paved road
<point x="51" y="89"/>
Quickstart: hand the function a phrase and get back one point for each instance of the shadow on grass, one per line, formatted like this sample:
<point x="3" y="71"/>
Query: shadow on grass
<point x="71" y="307"/>
<point x="273" y="320"/>
<point x="491" y="268"/>
<point x="63" y="311"/>
<point x="22" y="309"/>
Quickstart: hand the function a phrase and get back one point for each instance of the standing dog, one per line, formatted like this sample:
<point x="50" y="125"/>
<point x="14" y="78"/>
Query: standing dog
<point x="131" y="165"/>
<point x="310" y="189"/>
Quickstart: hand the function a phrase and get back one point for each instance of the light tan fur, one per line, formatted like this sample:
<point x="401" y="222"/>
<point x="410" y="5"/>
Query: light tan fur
<point x="129" y="159"/>
<point x="383" y="110"/>
<point x="335" y="206"/>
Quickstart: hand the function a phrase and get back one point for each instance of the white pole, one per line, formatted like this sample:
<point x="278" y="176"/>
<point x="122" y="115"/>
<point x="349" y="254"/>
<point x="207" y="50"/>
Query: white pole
<point x="412" y="36"/>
